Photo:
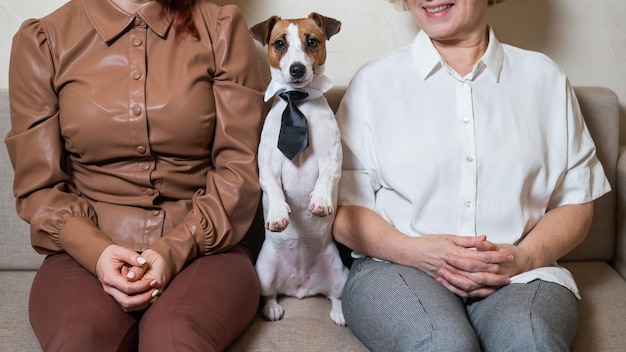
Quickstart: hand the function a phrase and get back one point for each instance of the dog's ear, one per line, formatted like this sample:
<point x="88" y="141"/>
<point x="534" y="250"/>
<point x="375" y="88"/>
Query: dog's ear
<point x="261" y="31"/>
<point x="330" y="26"/>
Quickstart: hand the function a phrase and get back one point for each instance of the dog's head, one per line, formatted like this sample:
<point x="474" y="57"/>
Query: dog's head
<point x="296" y="47"/>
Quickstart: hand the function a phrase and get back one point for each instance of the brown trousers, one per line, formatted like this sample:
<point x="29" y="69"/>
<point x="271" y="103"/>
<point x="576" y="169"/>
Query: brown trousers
<point x="204" y="308"/>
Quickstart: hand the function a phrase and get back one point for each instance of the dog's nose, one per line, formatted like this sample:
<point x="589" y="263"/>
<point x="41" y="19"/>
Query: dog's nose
<point x="297" y="70"/>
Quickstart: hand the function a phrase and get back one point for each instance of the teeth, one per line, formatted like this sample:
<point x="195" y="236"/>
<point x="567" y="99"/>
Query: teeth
<point x="438" y="8"/>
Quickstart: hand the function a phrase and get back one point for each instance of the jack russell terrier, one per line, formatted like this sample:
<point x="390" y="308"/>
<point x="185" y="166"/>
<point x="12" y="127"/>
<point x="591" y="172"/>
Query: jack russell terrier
<point x="299" y="167"/>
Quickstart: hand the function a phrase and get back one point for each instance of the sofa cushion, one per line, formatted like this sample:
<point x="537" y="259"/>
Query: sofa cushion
<point x="600" y="108"/>
<point x="306" y="327"/>
<point x="602" y="307"/>
<point x="15" y="331"/>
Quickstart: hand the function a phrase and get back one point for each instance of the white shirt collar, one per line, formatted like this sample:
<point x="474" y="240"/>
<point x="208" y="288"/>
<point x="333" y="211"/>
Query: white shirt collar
<point x="316" y="89"/>
<point x="428" y="60"/>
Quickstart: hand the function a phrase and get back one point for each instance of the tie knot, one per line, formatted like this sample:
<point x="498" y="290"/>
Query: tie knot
<point x="293" y="95"/>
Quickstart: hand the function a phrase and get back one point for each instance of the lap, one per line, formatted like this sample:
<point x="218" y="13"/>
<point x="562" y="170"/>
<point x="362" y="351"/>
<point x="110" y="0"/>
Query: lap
<point x="537" y="316"/>
<point x="393" y="307"/>
<point x="209" y="302"/>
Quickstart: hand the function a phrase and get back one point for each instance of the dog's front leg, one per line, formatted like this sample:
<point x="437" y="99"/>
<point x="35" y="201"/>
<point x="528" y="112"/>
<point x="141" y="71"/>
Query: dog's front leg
<point x="322" y="197"/>
<point x="277" y="209"/>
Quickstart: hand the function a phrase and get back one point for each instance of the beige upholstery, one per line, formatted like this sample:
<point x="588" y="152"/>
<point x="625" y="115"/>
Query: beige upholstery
<point x="599" y="264"/>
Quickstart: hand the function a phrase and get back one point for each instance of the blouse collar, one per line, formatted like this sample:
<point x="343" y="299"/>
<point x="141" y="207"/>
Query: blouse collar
<point x="428" y="60"/>
<point x="109" y="20"/>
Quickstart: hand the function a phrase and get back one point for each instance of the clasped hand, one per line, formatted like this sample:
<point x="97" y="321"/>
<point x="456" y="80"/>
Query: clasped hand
<point x="133" y="280"/>
<point x="470" y="266"/>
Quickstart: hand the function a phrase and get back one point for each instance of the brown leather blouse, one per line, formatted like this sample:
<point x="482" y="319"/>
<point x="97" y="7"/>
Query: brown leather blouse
<point x="123" y="132"/>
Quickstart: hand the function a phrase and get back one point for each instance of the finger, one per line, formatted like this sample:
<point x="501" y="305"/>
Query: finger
<point x="483" y="292"/>
<point x="120" y="282"/>
<point x="469" y="241"/>
<point x="470" y="264"/>
<point x="452" y="288"/>
<point x="469" y="282"/>
<point x="480" y="293"/>
<point x="131" y="303"/>
<point x="486" y="246"/>
<point x="124" y="255"/>
<point x="136" y="272"/>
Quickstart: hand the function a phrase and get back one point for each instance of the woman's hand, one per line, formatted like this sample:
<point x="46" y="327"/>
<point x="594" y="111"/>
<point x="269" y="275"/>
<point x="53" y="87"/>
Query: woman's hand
<point x="133" y="280"/>
<point x="155" y="271"/>
<point x="481" y="273"/>
<point x="112" y="270"/>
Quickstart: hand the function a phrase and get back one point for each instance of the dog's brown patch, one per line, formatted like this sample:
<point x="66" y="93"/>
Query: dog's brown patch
<point x="313" y="33"/>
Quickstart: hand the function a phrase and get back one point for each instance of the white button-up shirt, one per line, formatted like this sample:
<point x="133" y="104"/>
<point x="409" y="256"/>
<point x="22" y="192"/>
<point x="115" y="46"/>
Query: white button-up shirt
<point x="489" y="153"/>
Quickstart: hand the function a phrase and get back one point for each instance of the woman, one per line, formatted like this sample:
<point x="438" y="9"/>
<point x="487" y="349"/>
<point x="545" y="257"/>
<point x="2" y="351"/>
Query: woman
<point x="464" y="181"/>
<point x="135" y="125"/>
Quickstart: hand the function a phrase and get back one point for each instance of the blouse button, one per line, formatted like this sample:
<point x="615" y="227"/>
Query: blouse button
<point x="137" y="110"/>
<point x="150" y="191"/>
<point x="136" y="75"/>
<point x="141" y="149"/>
<point x="156" y="212"/>
<point x="470" y="159"/>
<point x="468" y="203"/>
<point x="137" y="42"/>
<point x="466" y="120"/>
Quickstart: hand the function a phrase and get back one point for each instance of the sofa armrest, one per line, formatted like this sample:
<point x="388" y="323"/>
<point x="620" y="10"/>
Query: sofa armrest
<point x="619" y="258"/>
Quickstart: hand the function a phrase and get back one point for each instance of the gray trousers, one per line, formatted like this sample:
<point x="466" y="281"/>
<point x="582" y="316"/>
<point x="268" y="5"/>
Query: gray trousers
<point x="391" y="307"/>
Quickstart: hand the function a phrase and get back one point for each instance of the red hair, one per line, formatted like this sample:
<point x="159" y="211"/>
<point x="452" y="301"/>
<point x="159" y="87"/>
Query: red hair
<point x="182" y="12"/>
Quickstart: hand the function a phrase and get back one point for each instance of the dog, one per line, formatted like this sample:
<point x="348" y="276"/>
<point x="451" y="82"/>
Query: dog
<point x="298" y="256"/>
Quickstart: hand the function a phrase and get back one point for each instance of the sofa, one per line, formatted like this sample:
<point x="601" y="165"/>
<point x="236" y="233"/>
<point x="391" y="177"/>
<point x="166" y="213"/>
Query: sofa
<point x="598" y="264"/>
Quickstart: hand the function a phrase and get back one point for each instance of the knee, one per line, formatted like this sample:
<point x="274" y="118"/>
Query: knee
<point x="175" y="332"/>
<point x="451" y="340"/>
<point x="539" y="336"/>
<point x="79" y="335"/>
<point x="459" y="339"/>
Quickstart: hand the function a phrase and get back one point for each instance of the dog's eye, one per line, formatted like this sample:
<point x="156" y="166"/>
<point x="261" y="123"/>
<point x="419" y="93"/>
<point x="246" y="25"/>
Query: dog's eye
<point x="279" y="44"/>
<point x="312" y="43"/>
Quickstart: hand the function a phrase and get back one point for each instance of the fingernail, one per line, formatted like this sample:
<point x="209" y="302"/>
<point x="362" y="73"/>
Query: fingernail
<point x="130" y="275"/>
<point x="155" y="293"/>
<point x="141" y="260"/>
<point x="153" y="282"/>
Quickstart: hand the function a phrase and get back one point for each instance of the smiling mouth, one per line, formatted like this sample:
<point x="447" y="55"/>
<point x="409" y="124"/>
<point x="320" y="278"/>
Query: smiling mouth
<point x="438" y="9"/>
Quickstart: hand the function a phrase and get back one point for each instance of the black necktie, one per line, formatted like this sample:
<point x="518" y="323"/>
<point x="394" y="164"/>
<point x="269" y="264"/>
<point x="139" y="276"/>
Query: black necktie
<point x="294" y="133"/>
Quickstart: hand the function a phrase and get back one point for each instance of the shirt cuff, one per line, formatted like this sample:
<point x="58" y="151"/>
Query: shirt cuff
<point x="355" y="188"/>
<point x="581" y="186"/>
<point x="177" y="248"/>
<point x="83" y="240"/>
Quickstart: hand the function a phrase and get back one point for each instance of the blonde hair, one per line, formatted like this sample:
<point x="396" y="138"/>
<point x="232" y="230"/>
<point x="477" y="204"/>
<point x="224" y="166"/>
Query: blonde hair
<point x="405" y="5"/>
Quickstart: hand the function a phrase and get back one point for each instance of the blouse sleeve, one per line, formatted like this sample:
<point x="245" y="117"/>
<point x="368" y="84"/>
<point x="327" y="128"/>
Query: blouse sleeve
<point x="584" y="180"/>
<point x="60" y="220"/>
<point x="223" y="212"/>
<point x="359" y="179"/>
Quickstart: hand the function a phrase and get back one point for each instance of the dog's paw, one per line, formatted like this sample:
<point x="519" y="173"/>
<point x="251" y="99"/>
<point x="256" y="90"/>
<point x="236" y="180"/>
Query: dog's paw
<point x="321" y="206"/>
<point x="336" y="313"/>
<point x="272" y="311"/>
<point x="277" y="218"/>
